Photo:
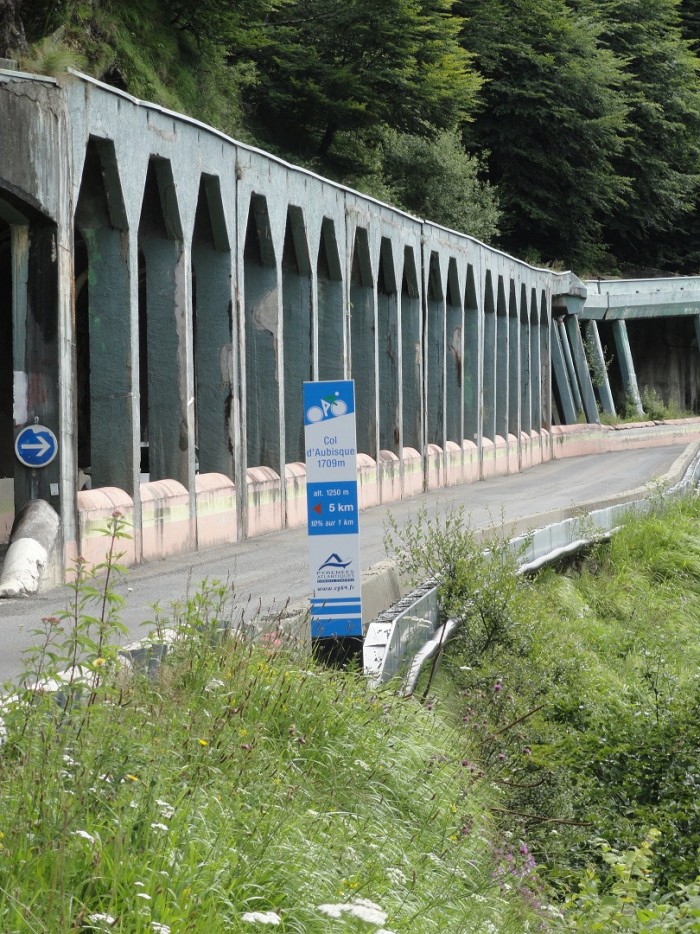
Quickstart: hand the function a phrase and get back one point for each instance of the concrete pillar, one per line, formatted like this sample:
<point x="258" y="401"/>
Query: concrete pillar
<point x="213" y="329"/>
<point x="388" y="351"/>
<point x="411" y="355"/>
<point x="454" y="358"/>
<point x="629" y="377"/>
<point x="502" y="361"/>
<point x="570" y="368"/>
<point x="514" y="375"/>
<point x="601" y="381"/>
<point x="489" y="361"/>
<point x="435" y="354"/>
<point x="363" y="345"/>
<point x="526" y="381"/>
<point x="568" y="411"/>
<point x="297" y="333"/>
<point x="546" y="355"/>
<point x="472" y="371"/>
<point x="582" y="369"/>
<point x="535" y="365"/>
<point x="330" y="305"/>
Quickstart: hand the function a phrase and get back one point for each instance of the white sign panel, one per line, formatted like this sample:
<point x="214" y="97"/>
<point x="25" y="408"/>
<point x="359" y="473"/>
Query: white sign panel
<point x="332" y="510"/>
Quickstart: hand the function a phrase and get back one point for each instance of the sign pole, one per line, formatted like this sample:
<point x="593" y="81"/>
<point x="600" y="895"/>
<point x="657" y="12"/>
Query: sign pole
<point x="333" y="519"/>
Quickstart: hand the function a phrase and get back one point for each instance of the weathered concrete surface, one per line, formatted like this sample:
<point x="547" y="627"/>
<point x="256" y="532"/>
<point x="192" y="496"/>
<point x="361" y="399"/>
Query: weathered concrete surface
<point x="32" y="558"/>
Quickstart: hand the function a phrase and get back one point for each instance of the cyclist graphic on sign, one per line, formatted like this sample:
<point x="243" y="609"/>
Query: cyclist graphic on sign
<point x="330" y="406"/>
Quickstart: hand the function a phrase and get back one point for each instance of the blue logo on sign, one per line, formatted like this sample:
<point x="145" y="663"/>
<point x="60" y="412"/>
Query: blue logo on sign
<point x="334" y="561"/>
<point x="36" y="446"/>
<point x="328" y="399"/>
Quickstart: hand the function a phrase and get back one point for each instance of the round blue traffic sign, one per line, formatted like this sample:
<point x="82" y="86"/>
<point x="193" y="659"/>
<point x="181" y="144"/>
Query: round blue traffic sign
<point x="36" y="446"/>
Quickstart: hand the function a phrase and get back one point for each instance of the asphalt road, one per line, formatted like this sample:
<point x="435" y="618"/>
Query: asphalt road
<point x="270" y="571"/>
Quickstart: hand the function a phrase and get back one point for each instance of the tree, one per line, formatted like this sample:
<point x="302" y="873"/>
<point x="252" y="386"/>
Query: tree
<point x="437" y="180"/>
<point x="552" y="121"/>
<point x="661" y="146"/>
<point x="338" y="66"/>
<point x="12" y="38"/>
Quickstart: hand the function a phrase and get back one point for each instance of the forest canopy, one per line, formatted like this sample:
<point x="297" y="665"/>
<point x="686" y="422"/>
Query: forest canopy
<point x="565" y="131"/>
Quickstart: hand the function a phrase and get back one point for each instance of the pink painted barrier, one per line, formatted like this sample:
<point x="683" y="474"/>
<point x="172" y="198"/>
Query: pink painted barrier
<point x="488" y="458"/>
<point x="525" y="450"/>
<point x="435" y="467"/>
<point x="453" y="470"/>
<point x="166" y="525"/>
<point x="513" y="454"/>
<point x="471" y="461"/>
<point x="95" y="509"/>
<point x="389" y="477"/>
<point x="295" y="487"/>
<point x="367" y="482"/>
<point x="500" y="462"/>
<point x="264" y="501"/>
<point x="412" y="472"/>
<point x="216" y="510"/>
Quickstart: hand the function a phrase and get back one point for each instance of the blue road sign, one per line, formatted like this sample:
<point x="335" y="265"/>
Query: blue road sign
<point x="36" y="446"/>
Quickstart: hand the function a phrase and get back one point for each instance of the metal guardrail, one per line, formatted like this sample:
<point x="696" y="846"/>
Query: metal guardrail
<point x="409" y="632"/>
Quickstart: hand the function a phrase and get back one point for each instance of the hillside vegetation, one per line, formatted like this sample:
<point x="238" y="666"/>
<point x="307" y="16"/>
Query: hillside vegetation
<point x="566" y="131"/>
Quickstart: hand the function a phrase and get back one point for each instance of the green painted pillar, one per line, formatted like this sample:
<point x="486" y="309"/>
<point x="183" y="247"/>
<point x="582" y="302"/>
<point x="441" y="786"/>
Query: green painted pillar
<point x="582" y="370"/>
<point x="629" y="377"/>
<point x="514" y="374"/>
<point x="600" y="375"/>
<point x="563" y="380"/>
<point x="570" y="368"/>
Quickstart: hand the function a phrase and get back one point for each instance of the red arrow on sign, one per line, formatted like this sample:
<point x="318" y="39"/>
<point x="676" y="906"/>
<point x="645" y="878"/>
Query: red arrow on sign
<point x="318" y="508"/>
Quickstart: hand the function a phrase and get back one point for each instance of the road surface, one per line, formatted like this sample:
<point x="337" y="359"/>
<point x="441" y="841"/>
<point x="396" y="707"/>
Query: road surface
<point x="270" y="571"/>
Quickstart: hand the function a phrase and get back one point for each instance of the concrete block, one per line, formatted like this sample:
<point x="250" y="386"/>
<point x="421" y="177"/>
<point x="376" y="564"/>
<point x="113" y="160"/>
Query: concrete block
<point x="500" y="460"/>
<point x="216" y="510"/>
<point x="167" y="528"/>
<point x="470" y="461"/>
<point x="295" y="487"/>
<point x="513" y="453"/>
<point x="389" y="477"/>
<point x="453" y="468"/>
<point x="412" y="472"/>
<point x="367" y="482"/>
<point x="95" y="509"/>
<point x="488" y="458"/>
<point x="264" y="501"/>
<point x="435" y="467"/>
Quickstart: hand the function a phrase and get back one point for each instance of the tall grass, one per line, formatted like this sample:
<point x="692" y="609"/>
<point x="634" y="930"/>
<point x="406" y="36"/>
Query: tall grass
<point x="241" y="787"/>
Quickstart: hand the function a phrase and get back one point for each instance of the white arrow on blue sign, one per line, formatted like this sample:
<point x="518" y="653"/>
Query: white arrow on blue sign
<point x="36" y="446"/>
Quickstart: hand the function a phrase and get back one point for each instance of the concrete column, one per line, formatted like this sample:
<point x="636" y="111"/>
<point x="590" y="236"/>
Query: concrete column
<point x="582" y="370"/>
<point x="697" y="329"/>
<point x="213" y="327"/>
<point x="514" y="374"/>
<point x="629" y="377"/>
<point x="363" y="341"/>
<point x="535" y="365"/>
<point x="435" y="356"/>
<point x="602" y="383"/>
<point x="570" y="368"/>
<point x="545" y="356"/>
<point x="502" y="361"/>
<point x="526" y="372"/>
<point x="411" y="356"/>
<point x="489" y="363"/>
<point x="297" y="334"/>
<point x="472" y="360"/>
<point x="388" y="352"/>
<point x="330" y="305"/>
<point x="454" y="368"/>
<point x="563" y="380"/>
<point x="111" y="411"/>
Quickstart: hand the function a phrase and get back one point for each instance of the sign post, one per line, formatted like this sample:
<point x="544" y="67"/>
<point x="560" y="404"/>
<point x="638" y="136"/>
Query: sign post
<point x="332" y="510"/>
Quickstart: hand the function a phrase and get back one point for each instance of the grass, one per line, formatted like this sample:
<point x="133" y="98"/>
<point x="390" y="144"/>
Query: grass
<point x="242" y="787"/>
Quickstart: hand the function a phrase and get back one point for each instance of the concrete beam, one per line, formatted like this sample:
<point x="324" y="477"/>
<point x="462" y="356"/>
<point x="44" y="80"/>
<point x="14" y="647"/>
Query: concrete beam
<point x="629" y="377"/>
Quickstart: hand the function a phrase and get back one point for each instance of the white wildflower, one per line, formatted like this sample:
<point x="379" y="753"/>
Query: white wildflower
<point x="262" y="917"/>
<point x="166" y="810"/>
<point x="396" y="875"/>
<point x="362" y="765"/>
<point x="158" y="826"/>
<point x="214" y="684"/>
<point x="3" y="731"/>
<point x="84" y="834"/>
<point x="144" y="895"/>
<point x="159" y="928"/>
<point x="360" y="908"/>
<point x="100" y="917"/>
<point x="67" y="759"/>
<point x="488" y="927"/>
